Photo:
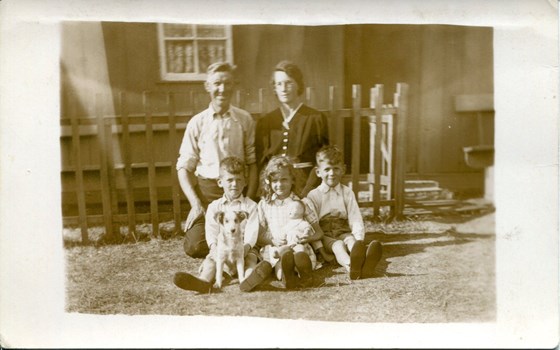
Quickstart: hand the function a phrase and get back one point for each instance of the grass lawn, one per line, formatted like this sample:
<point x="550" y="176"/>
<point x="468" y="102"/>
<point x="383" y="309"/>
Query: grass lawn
<point x="430" y="272"/>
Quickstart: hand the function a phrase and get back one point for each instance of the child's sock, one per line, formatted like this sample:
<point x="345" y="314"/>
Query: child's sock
<point x="341" y="254"/>
<point x="256" y="277"/>
<point x="373" y="255"/>
<point x="288" y="268"/>
<point x="187" y="281"/>
<point x="357" y="257"/>
<point x="304" y="267"/>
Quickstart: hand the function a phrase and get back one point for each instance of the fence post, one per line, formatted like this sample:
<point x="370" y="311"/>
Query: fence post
<point x="173" y="152"/>
<point x="377" y="149"/>
<point x="151" y="164"/>
<point x="401" y="102"/>
<point x="356" y="120"/>
<point x="104" y="173"/>
<point x="261" y="102"/>
<point x="238" y="102"/>
<point x="78" y="173"/>
<point x="309" y="96"/>
<point x="129" y="190"/>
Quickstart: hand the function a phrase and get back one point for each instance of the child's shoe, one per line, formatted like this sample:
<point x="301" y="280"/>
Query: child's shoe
<point x="373" y="255"/>
<point x="288" y="270"/>
<point x="304" y="267"/>
<point x="357" y="258"/>
<point x="187" y="281"/>
<point x="258" y="276"/>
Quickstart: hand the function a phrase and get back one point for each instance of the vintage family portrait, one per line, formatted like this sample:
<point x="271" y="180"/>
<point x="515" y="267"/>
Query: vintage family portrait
<point x="310" y="182"/>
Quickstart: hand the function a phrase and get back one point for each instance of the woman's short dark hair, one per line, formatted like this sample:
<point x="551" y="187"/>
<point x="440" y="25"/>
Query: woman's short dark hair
<point x="293" y="71"/>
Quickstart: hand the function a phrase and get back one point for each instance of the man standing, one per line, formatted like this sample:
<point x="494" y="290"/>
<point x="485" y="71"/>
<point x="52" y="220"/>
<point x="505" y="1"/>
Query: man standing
<point x="220" y="131"/>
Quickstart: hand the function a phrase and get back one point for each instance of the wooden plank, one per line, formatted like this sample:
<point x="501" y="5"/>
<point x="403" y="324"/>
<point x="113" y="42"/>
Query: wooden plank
<point x="129" y="187"/>
<point x="261" y="103"/>
<point x="309" y="96"/>
<point x="356" y="103"/>
<point x="474" y="103"/>
<point x="176" y="193"/>
<point x="79" y="175"/>
<point x="110" y="168"/>
<point x="338" y="132"/>
<point x="388" y="174"/>
<point x="119" y="218"/>
<point x="401" y="99"/>
<point x="377" y="149"/>
<point x="432" y="87"/>
<point x="104" y="176"/>
<point x="152" y="185"/>
<point x="369" y="204"/>
<point x="238" y="100"/>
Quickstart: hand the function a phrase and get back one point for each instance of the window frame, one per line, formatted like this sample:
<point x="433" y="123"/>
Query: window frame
<point x="165" y="75"/>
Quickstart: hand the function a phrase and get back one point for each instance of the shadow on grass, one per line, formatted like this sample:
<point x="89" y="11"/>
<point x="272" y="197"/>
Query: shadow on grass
<point x="400" y="245"/>
<point x="394" y="245"/>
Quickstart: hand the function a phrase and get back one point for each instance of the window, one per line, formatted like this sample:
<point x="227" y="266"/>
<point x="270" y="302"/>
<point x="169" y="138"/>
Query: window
<point x="186" y="50"/>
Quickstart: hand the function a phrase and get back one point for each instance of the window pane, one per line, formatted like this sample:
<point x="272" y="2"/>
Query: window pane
<point x="210" y="52"/>
<point x="210" y="31"/>
<point x="177" y="30"/>
<point x="180" y="56"/>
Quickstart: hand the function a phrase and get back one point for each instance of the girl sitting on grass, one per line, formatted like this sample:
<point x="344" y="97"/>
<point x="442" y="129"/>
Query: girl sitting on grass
<point x="273" y="211"/>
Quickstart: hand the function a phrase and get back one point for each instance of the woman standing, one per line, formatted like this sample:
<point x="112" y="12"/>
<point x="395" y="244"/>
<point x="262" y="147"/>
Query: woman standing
<point x="294" y="129"/>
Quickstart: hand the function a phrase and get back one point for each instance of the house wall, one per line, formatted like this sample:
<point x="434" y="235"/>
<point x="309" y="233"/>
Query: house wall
<point x="438" y="62"/>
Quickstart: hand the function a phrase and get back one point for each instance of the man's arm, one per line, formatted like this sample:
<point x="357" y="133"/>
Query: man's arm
<point x="187" y="181"/>
<point x="253" y="181"/>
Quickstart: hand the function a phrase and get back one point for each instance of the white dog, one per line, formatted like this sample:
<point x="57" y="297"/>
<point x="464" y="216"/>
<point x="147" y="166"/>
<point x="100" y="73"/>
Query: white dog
<point x="229" y="248"/>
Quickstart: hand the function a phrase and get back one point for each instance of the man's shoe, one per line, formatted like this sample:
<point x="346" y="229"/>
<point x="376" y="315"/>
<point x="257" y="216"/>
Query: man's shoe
<point x="187" y="281"/>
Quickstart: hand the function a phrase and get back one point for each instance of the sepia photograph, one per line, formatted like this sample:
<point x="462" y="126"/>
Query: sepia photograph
<point x="128" y="92"/>
<point x="306" y="178"/>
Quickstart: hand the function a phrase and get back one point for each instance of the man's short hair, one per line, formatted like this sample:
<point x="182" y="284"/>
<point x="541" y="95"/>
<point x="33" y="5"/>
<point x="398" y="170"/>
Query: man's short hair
<point x="220" y="67"/>
<point x="330" y="154"/>
<point x="293" y="71"/>
<point x="233" y="165"/>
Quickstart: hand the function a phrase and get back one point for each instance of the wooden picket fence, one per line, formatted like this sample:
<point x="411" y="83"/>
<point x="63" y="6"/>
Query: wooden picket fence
<point x="383" y="183"/>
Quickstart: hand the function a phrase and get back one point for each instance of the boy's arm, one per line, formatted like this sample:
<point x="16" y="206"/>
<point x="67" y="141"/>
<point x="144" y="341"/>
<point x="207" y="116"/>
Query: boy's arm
<point x="211" y="227"/>
<point x="355" y="220"/>
<point x="317" y="234"/>
<point x="252" y="228"/>
<point x="312" y="216"/>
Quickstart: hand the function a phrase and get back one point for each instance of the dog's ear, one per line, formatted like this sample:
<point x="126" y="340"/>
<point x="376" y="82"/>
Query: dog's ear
<point x="242" y="215"/>
<point x="219" y="217"/>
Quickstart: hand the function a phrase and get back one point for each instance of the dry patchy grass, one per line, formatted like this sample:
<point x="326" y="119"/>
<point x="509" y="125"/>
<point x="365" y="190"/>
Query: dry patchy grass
<point x="428" y="273"/>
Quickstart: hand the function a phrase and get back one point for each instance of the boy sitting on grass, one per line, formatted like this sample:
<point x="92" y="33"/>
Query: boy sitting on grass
<point x="232" y="181"/>
<point x="340" y="217"/>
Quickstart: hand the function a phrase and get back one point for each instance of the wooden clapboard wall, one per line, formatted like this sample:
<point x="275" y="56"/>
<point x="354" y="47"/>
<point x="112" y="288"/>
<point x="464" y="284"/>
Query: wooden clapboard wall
<point x="437" y="62"/>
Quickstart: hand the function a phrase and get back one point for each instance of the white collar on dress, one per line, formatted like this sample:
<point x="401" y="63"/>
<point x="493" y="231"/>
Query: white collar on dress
<point x="288" y="118"/>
